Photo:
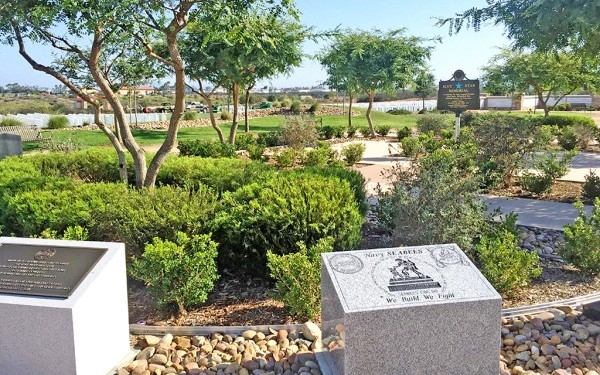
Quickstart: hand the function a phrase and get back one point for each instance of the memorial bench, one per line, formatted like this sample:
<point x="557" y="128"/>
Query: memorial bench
<point x="28" y="133"/>
<point x="579" y="106"/>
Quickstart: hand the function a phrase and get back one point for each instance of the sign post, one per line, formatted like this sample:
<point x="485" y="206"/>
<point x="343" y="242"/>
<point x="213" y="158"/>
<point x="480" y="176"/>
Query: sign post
<point x="458" y="95"/>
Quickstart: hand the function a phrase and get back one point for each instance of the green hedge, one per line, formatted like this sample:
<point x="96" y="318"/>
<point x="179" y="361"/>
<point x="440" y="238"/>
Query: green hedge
<point x="566" y="120"/>
<point x="276" y="214"/>
<point x="220" y="174"/>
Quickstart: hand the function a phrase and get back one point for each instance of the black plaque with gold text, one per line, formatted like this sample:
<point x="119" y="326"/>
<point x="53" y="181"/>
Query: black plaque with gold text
<point x="47" y="271"/>
<point x="458" y="96"/>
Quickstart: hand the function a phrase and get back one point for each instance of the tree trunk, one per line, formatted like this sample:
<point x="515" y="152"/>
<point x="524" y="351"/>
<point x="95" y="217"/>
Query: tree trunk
<point x="246" y="105"/>
<point x="350" y="111"/>
<point x="234" y="125"/>
<point x="543" y="103"/>
<point x="114" y="141"/>
<point x="213" y="120"/>
<point x="138" y="153"/>
<point x="369" y="109"/>
<point x="178" y="110"/>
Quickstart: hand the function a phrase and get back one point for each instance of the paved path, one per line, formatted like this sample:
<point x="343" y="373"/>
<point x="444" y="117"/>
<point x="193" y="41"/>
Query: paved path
<point x="535" y="213"/>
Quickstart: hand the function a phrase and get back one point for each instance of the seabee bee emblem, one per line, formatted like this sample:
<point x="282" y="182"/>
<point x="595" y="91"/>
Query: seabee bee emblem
<point x="45" y="254"/>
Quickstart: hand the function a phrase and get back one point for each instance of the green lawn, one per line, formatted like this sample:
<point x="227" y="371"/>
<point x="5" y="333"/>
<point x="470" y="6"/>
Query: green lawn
<point x="92" y="138"/>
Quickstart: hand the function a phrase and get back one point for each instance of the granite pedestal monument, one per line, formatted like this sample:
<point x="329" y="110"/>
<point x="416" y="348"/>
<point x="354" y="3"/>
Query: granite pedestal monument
<point x="10" y="145"/>
<point x="61" y="302"/>
<point x="409" y="311"/>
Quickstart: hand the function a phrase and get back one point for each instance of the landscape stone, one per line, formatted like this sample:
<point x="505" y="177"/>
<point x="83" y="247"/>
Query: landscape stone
<point x="10" y="145"/>
<point x="411" y="305"/>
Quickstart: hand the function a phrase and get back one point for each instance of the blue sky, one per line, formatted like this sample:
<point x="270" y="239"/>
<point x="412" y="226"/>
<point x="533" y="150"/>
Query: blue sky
<point x="468" y="50"/>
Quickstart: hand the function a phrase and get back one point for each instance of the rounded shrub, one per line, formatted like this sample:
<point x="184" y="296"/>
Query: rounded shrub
<point x="433" y="123"/>
<point x="591" y="187"/>
<point x="296" y="106"/>
<point x="207" y="149"/>
<point x="582" y="240"/>
<point x="191" y="116"/>
<point x="411" y="147"/>
<point x="181" y="272"/>
<point x="225" y="115"/>
<point x="314" y="107"/>
<point x="567" y="138"/>
<point x="383" y="130"/>
<point x="403" y="133"/>
<point x="277" y="213"/>
<point x="58" y="122"/>
<point x="353" y="153"/>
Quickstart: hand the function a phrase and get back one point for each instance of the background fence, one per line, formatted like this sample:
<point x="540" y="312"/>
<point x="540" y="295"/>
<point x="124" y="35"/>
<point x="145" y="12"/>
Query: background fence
<point x="41" y="120"/>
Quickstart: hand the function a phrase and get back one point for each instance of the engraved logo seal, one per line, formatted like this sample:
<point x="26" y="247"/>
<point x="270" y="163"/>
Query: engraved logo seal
<point x="45" y="254"/>
<point x="346" y="263"/>
<point x="447" y="256"/>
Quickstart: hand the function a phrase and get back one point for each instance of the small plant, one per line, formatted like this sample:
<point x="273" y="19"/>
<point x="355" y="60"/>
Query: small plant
<point x="72" y="233"/>
<point x="62" y="145"/>
<point x="353" y="153"/>
<point x="244" y="140"/>
<point x="275" y="105"/>
<point x="383" y="130"/>
<point x="296" y="106"/>
<point x="365" y="130"/>
<point x="582" y="240"/>
<point x="591" y="187"/>
<point x="351" y="130"/>
<point x="256" y="151"/>
<point x="181" y="272"/>
<point x="433" y="122"/>
<point x="567" y="138"/>
<point x="504" y="264"/>
<point x="536" y="184"/>
<point x="299" y="131"/>
<point x="399" y="112"/>
<point x="320" y="156"/>
<point x="286" y="158"/>
<point x="403" y="133"/>
<point x="411" y="147"/>
<point x="286" y="103"/>
<point x="225" y="115"/>
<point x="585" y="134"/>
<point x="298" y="277"/>
<point x="191" y="116"/>
<point x="314" y="108"/>
<point x="10" y="122"/>
<point x="58" y="122"/>
<point x="331" y="131"/>
<point x="550" y="168"/>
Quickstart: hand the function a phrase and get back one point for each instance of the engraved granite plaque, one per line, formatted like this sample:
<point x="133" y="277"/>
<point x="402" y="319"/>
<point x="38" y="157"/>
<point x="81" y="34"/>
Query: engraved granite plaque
<point x="401" y="302"/>
<point x="47" y="271"/>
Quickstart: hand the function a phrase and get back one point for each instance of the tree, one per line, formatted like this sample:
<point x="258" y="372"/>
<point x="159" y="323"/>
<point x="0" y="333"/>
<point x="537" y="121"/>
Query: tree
<point x="548" y="75"/>
<point x="91" y="25"/>
<point x="425" y="86"/>
<point x="538" y="24"/>
<point x="235" y="52"/>
<point x="377" y="61"/>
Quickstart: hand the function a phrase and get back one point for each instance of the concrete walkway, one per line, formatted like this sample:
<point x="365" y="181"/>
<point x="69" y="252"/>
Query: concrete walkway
<point x="535" y="213"/>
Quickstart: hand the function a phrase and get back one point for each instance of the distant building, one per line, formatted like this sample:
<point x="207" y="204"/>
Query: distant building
<point x="139" y="90"/>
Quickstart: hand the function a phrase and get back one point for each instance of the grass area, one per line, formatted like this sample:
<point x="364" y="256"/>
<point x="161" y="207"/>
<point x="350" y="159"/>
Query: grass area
<point x="93" y="138"/>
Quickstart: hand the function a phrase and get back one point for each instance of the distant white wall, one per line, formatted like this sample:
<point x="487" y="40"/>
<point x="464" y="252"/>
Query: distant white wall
<point x="41" y="120"/>
<point x="502" y="102"/>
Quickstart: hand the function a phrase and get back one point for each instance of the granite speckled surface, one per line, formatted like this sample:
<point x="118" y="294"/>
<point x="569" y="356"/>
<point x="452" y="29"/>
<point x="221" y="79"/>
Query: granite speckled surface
<point x="410" y="311"/>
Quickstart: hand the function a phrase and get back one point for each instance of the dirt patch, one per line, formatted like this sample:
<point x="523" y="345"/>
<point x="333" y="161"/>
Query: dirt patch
<point x="562" y="191"/>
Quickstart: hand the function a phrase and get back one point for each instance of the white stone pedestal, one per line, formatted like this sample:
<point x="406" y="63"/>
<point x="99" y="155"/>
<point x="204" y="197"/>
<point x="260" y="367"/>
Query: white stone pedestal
<point x="85" y="334"/>
<point x="409" y="311"/>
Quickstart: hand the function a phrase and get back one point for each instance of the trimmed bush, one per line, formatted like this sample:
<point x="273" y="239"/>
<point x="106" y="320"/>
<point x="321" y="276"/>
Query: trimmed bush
<point x="181" y="272"/>
<point x="564" y="120"/>
<point x="225" y="115"/>
<point x="320" y="156"/>
<point x="536" y="184"/>
<point x="433" y="123"/>
<point x="411" y="147"/>
<point x="135" y="217"/>
<point x="286" y="158"/>
<point x="351" y="130"/>
<point x="219" y="174"/>
<point x="255" y="152"/>
<point x="269" y="139"/>
<point x="399" y="112"/>
<point x="353" y="153"/>
<point x="582" y="240"/>
<point x="567" y="138"/>
<point x="507" y="267"/>
<point x="244" y="140"/>
<point x="10" y="122"/>
<point x="591" y="187"/>
<point x="403" y="133"/>
<point x="207" y="149"/>
<point x="383" y="130"/>
<point x="299" y="131"/>
<point x="191" y="116"/>
<point x="278" y="213"/>
<point x="332" y="131"/>
<point x="298" y="278"/>
<point x="365" y="130"/>
<point x="550" y="168"/>
<point x="58" y="122"/>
